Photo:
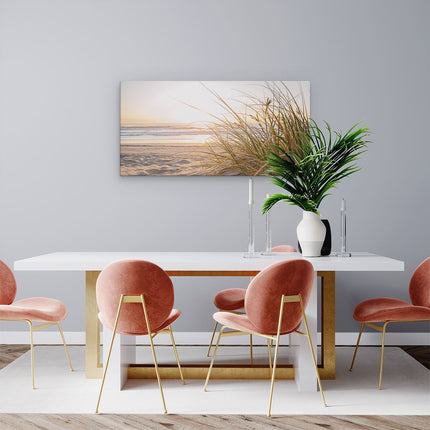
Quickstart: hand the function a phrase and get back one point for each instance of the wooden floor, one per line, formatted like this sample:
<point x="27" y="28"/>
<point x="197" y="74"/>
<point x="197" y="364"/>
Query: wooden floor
<point x="9" y="353"/>
<point x="204" y="422"/>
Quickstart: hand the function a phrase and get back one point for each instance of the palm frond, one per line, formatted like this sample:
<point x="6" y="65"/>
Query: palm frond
<point x="318" y="165"/>
<point x="292" y="199"/>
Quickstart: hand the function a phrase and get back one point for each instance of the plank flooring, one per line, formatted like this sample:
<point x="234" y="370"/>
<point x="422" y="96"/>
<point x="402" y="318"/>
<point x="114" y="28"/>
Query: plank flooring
<point x="201" y="422"/>
<point x="9" y="353"/>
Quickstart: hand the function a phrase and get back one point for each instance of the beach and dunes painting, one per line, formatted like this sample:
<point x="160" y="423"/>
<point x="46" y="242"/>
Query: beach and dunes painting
<point x="212" y="128"/>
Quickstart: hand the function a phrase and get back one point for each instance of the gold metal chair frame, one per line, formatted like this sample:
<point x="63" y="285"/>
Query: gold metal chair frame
<point x="37" y="328"/>
<point x="235" y="332"/>
<point x="214" y="331"/>
<point x="383" y="330"/>
<point x="140" y="299"/>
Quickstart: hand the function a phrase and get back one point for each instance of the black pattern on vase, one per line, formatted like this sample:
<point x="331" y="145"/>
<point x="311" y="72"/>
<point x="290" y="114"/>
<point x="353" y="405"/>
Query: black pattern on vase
<point x="326" y="247"/>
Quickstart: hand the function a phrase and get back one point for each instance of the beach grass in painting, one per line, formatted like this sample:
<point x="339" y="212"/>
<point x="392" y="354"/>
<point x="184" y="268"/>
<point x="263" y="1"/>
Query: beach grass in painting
<point x="207" y="128"/>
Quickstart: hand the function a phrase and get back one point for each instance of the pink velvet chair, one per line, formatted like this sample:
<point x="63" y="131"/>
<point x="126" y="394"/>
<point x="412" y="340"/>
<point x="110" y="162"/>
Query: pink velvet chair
<point x="232" y="299"/>
<point x="49" y="312"/>
<point x="135" y="298"/>
<point x="386" y="310"/>
<point x="275" y="304"/>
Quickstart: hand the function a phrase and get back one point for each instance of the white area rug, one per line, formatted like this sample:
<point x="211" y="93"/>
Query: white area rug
<point x="406" y="387"/>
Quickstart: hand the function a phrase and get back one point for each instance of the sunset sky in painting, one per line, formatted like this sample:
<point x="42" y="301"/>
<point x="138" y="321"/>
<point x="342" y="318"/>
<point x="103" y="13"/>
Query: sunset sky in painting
<point x="188" y="102"/>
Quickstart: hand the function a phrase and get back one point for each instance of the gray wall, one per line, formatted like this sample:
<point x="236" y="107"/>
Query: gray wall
<point x="60" y="67"/>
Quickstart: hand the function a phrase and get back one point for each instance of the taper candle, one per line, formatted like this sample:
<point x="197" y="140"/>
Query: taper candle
<point x="250" y="253"/>
<point x="343" y="252"/>
<point x="268" y="250"/>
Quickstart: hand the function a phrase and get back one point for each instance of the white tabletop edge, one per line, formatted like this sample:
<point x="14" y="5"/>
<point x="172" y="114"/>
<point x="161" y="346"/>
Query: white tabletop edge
<point x="202" y="261"/>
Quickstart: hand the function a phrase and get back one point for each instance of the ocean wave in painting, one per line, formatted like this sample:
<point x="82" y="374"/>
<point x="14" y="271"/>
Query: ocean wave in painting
<point x="163" y="133"/>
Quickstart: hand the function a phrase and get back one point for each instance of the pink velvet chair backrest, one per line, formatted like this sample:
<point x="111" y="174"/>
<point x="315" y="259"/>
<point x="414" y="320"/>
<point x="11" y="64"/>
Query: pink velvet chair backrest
<point x="263" y="296"/>
<point x="284" y="248"/>
<point x="133" y="278"/>
<point x="7" y="285"/>
<point x="419" y="286"/>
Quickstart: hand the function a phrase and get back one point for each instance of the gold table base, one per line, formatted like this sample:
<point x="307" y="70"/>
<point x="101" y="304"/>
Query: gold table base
<point x="327" y="366"/>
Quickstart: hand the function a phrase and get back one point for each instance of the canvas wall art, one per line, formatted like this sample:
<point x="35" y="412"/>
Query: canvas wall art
<point x="213" y="128"/>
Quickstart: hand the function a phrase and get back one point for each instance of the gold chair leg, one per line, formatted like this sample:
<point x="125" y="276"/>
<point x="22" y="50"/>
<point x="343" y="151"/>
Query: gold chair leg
<point x="272" y="383"/>
<point x="313" y="353"/>
<point x="157" y="373"/>
<point x="212" y="339"/>
<point x="278" y="335"/>
<point x="213" y="358"/>
<point x="153" y="354"/>
<point x="382" y="354"/>
<point x="109" y="353"/>
<point x="65" y="346"/>
<point x="176" y="354"/>
<point x="356" y="347"/>
<point x="250" y="348"/>
<point x="269" y="345"/>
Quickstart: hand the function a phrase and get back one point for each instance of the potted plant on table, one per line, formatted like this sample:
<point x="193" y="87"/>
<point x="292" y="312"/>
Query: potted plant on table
<point x="309" y="170"/>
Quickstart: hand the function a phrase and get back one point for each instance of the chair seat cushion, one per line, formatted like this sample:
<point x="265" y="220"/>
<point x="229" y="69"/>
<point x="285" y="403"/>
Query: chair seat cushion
<point x="387" y="309"/>
<point x="34" y="309"/>
<point x="240" y="322"/>
<point x="230" y="299"/>
<point x="174" y="315"/>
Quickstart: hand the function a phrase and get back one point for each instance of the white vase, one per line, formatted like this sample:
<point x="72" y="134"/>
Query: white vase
<point x="311" y="234"/>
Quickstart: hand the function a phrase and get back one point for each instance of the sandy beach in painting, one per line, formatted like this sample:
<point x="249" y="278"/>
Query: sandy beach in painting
<point x="162" y="149"/>
<point x="158" y="160"/>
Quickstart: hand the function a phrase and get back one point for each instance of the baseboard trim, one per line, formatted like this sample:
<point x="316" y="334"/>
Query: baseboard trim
<point x="202" y="338"/>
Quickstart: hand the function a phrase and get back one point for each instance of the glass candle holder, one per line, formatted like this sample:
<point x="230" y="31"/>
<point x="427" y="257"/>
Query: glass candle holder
<point x="251" y="250"/>
<point x="343" y="252"/>
<point x="268" y="250"/>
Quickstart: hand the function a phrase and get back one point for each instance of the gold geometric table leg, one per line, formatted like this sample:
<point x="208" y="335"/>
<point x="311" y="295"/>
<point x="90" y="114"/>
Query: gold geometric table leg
<point x="327" y="369"/>
<point x="93" y="367"/>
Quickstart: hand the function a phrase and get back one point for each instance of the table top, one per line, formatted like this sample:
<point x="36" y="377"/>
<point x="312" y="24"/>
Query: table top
<point x="204" y="261"/>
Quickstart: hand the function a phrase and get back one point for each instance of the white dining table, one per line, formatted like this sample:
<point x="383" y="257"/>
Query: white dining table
<point x="218" y="264"/>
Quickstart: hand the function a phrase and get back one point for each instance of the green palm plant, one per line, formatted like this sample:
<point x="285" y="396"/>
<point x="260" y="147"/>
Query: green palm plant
<point x="315" y="165"/>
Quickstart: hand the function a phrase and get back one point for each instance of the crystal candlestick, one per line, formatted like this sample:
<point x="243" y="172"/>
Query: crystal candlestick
<point x="251" y="251"/>
<point x="343" y="252"/>
<point x="268" y="250"/>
